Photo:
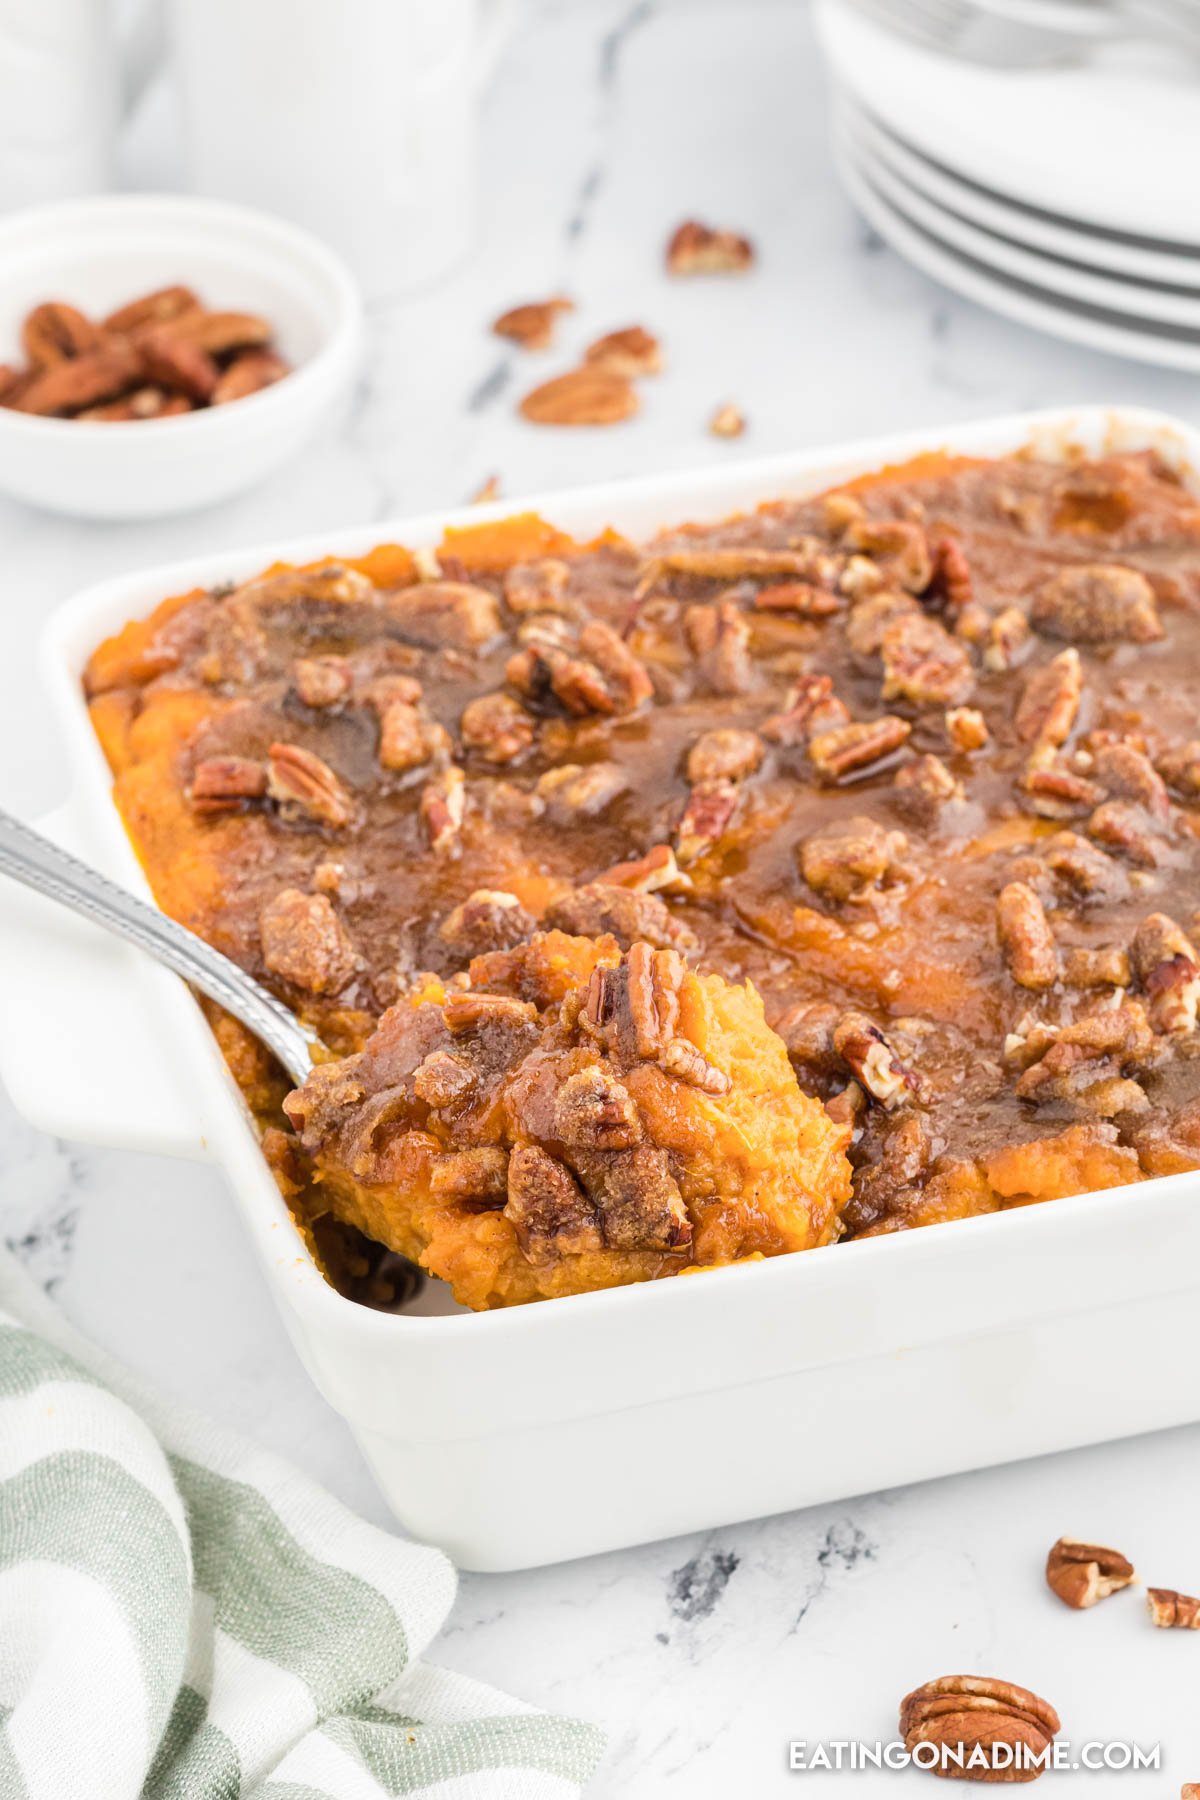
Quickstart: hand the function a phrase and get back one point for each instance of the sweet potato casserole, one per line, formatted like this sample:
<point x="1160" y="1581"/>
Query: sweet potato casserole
<point x="823" y="873"/>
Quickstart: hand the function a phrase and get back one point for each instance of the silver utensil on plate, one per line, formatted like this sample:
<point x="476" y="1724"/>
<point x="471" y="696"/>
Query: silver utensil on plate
<point x="39" y="864"/>
<point x="1025" y="34"/>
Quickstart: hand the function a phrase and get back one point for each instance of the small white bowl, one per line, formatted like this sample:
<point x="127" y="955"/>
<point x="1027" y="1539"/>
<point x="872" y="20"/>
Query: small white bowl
<point x="99" y="253"/>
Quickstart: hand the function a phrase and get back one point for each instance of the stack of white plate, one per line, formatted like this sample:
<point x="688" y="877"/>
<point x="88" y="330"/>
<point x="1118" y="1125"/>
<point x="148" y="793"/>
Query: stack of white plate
<point x="1066" y="198"/>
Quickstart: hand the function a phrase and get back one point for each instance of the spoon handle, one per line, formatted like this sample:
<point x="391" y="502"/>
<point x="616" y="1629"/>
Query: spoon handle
<point x="34" y="860"/>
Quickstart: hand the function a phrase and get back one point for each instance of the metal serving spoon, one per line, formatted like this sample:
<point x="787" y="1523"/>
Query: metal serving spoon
<point x="34" y="860"/>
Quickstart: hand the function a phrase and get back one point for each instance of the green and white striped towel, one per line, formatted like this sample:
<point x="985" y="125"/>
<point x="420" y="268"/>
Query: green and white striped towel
<point x="184" y="1617"/>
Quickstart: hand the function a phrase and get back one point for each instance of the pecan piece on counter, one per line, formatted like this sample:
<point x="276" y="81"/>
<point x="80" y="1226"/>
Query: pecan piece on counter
<point x="532" y="325"/>
<point x="304" y="942"/>
<point x="995" y="1729"/>
<point x="630" y="352"/>
<point x="55" y="332"/>
<point x="848" y="858"/>
<point x="587" y="396"/>
<point x="966" y="729"/>
<point x="1082" y="1574"/>
<point x="803" y="598"/>
<point x="322" y="681"/>
<point x="1049" y="703"/>
<point x="657" y="871"/>
<point x="176" y="362"/>
<point x="593" y="1111"/>
<point x="488" y="919"/>
<point x="1169" y="1609"/>
<point x="81" y="381"/>
<point x="847" y="749"/>
<point x="443" y="806"/>
<point x="873" y="1061"/>
<point x="1126" y="774"/>
<point x="924" y="664"/>
<point x="1101" y="967"/>
<point x="598" y="908"/>
<point x="1025" y="937"/>
<point x="706" y="818"/>
<point x="698" y="249"/>
<point x="247" y="374"/>
<point x="728" y="421"/>
<point x="1097" y="603"/>
<point x="726" y="754"/>
<point x="225" y="783"/>
<point x="1006" y="639"/>
<point x="548" y="1209"/>
<point x="1165" y="963"/>
<point x="537" y="587"/>
<point x="581" y="790"/>
<point x="476" y="1178"/>
<point x="305" y="787"/>
<point x="407" y="739"/>
<point x="719" y="637"/>
<point x="445" y="614"/>
<point x="497" y="727"/>
<point x="899" y="546"/>
<point x="152" y="309"/>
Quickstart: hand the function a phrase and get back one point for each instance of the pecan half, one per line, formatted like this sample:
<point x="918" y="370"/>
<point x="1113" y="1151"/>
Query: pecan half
<point x="706" y="818"/>
<point x="1126" y="774"/>
<point x="451" y="614"/>
<point x="1006" y="638"/>
<point x="898" y="545"/>
<point x="1049" y="703"/>
<point x="741" y="562"/>
<point x="627" y="678"/>
<point x="1171" y="1609"/>
<point x="698" y="249"/>
<point x="1025" y="937"/>
<point x="873" y="615"/>
<point x="225" y="783"/>
<point x="219" y="333"/>
<point x="152" y="309"/>
<point x="875" y="1065"/>
<point x="846" y="859"/>
<point x="443" y="806"/>
<point x="304" y="942"/>
<point x="1098" y="603"/>
<point x="803" y="598"/>
<point x="924" y="664"/>
<point x="724" y="755"/>
<point x="720" y="638"/>
<point x="532" y="325"/>
<point x="978" y="1728"/>
<point x="247" y="374"/>
<point x="55" y="332"/>
<point x="176" y="362"/>
<point x="305" y="786"/>
<point x="1128" y="829"/>
<point x="727" y="422"/>
<point x="1057" y="793"/>
<point x="581" y="791"/>
<point x="1165" y="962"/>
<point x="1081" y="1574"/>
<point x="631" y="352"/>
<point x="81" y="381"/>
<point x="488" y="919"/>
<point x="548" y="1209"/>
<point x="497" y="727"/>
<point x="585" y="396"/>
<point x="848" y="748"/>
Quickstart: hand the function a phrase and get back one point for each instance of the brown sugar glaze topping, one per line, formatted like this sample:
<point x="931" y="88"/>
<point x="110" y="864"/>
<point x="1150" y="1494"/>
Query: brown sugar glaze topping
<point x="919" y="759"/>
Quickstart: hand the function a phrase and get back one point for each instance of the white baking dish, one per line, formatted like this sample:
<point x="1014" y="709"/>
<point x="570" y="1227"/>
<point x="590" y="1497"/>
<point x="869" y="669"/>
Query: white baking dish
<point x="554" y="1430"/>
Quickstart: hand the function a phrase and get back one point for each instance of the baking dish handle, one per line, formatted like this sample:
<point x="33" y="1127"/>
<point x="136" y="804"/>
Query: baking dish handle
<point x="84" y="1052"/>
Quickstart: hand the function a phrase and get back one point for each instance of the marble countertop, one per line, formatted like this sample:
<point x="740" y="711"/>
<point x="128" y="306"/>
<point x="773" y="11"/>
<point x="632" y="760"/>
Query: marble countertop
<point x="703" y="1657"/>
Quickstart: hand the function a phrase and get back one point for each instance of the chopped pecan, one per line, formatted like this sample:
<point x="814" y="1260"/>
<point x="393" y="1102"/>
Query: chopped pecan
<point x="698" y="249"/>
<point x="407" y="739"/>
<point x="657" y="871"/>
<point x="898" y="545"/>
<point x="966" y="728"/>
<point x="225" y="783"/>
<point x="951" y="579"/>
<point x="998" y="1731"/>
<point x="1058" y="793"/>
<point x="152" y="309"/>
<point x="443" y="806"/>
<point x="1126" y="774"/>
<point x="465" y="1012"/>
<point x="598" y="908"/>
<point x="453" y="614"/>
<point x="1082" y="1574"/>
<point x="1006" y="638"/>
<point x="924" y="785"/>
<point x="497" y="727"/>
<point x="1085" y="1063"/>
<point x="444" y="1079"/>
<point x="872" y="616"/>
<point x="487" y="491"/>
<point x="807" y="1030"/>
<point x="631" y="352"/>
<point x="1171" y="1609"/>
<point x="81" y="381"/>
<point x="924" y="664"/>
<point x="639" y="1202"/>
<point x="860" y="578"/>
<point x="727" y="422"/>
<point x="1097" y="603"/>
<point x="1025" y="937"/>
<point x="593" y="1111"/>
<point x="626" y="676"/>
<point x="304" y="786"/>
<point x="55" y="332"/>
<point x="875" y="1065"/>
<point x="801" y="597"/>
<point x="807" y="702"/>
<point x="1102" y="967"/>
<point x="1049" y="703"/>
<point x="741" y="562"/>
<point x="847" y="858"/>
<point x="706" y="817"/>
<point x="581" y="790"/>
<point x="1168" y="968"/>
<point x="328" y="588"/>
<point x="719" y="635"/>
<point x="1128" y="829"/>
<point x="304" y="942"/>
<point x="477" y="1178"/>
<point x="587" y="396"/>
<point x="537" y="587"/>
<point x="248" y="374"/>
<point x="322" y="680"/>
<point x="488" y="919"/>
<point x="848" y="748"/>
<point x="681" y="1058"/>
<point x="532" y="325"/>
<point x="724" y="755"/>
<point x="1179" y="767"/>
<point x="549" y="1211"/>
<point x="176" y="362"/>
